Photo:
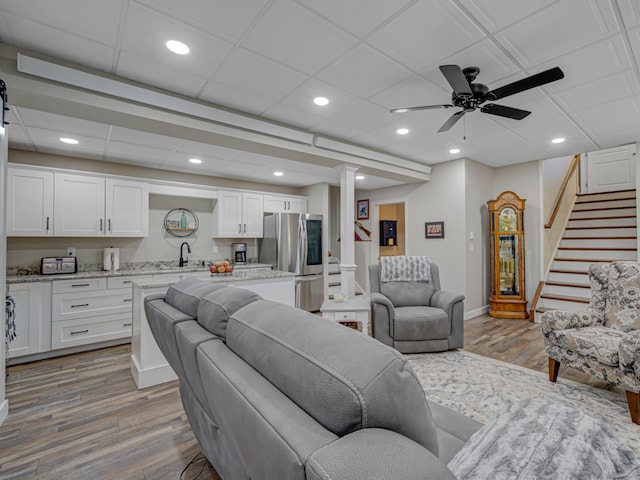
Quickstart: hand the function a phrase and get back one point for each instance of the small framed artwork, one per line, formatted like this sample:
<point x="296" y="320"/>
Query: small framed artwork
<point x="363" y="209"/>
<point x="434" y="230"/>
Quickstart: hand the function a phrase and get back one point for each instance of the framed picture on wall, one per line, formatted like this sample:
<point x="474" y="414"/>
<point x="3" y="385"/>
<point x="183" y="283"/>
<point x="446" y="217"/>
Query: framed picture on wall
<point x="363" y="209"/>
<point x="434" y="230"/>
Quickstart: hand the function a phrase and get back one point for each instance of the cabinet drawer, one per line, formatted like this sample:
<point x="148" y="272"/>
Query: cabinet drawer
<point x="339" y="316"/>
<point x="80" y="285"/>
<point x="123" y="282"/>
<point x="70" y="333"/>
<point x="71" y="305"/>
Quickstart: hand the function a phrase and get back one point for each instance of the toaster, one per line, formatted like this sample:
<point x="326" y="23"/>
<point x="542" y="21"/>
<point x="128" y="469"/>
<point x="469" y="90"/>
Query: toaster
<point x="55" y="265"/>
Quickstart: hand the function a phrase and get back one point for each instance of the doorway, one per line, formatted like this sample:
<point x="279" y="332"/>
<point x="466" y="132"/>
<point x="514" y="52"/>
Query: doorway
<point x="390" y="217"/>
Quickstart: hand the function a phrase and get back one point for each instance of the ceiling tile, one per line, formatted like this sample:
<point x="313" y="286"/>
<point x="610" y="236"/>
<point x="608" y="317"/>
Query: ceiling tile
<point x="603" y="90"/>
<point x="99" y="20"/>
<point x="51" y="139"/>
<point x="136" y="137"/>
<point x="231" y="97"/>
<point x="497" y="14"/>
<point x="146" y="31"/>
<point x="275" y="37"/>
<point x="634" y="40"/>
<point x="413" y="90"/>
<point x="608" y="123"/>
<point x="229" y="20"/>
<point x="250" y="72"/>
<point x="139" y="153"/>
<point x="364" y="72"/>
<point x="57" y="43"/>
<point x="357" y="16"/>
<point x="410" y="37"/>
<point x="204" y="150"/>
<point x="361" y="116"/>
<point x="630" y="10"/>
<point x="159" y="75"/>
<point x="60" y="124"/>
<point x="563" y="27"/>
<point x="541" y="132"/>
<point x="510" y="146"/>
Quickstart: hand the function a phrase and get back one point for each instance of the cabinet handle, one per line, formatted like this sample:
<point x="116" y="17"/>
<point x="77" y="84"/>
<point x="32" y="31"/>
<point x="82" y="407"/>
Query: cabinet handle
<point x="126" y="281"/>
<point x="245" y="228"/>
<point x="80" y="305"/>
<point x="80" y="284"/>
<point x="79" y="332"/>
<point x="100" y="224"/>
<point x="285" y="204"/>
<point x="47" y="223"/>
<point x="239" y="228"/>
<point x="128" y="300"/>
<point x="126" y="324"/>
<point x="288" y="205"/>
<point x="109" y="223"/>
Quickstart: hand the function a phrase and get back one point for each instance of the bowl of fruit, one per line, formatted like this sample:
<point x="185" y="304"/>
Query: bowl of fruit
<point x="221" y="267"/>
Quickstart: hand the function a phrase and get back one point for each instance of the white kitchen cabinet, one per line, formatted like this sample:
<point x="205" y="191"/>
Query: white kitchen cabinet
<point x="238" y="215"/>
<point x="285" y="203"/>
<point x="33" y="316"/>
<point x="92" y="206"/>
<point x="29" y="203"/>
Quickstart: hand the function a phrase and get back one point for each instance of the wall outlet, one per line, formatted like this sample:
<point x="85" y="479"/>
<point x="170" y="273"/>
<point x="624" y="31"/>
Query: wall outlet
<point x="216" y="251"/>
<point x="71" y="251"/>
<point x="471" y="248"/>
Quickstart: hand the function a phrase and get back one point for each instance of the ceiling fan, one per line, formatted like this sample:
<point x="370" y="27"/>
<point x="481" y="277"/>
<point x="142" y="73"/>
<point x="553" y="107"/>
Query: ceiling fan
<point x="469" y="96"/>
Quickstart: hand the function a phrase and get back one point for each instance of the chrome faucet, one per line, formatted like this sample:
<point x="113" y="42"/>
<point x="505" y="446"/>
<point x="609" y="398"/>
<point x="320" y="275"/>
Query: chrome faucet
<point x="184" y="260"/>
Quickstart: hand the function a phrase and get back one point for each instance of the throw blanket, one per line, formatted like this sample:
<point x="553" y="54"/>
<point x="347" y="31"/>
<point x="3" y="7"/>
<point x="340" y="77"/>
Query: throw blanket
<point x="405" y="269"/>
<point x="535" y="439"/>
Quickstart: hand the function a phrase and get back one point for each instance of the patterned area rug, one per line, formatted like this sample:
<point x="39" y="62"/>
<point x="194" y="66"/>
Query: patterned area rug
<point x="481" y="387"/>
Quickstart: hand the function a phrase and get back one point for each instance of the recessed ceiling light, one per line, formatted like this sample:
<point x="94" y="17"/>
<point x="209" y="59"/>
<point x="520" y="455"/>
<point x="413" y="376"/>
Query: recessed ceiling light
<point x="70" y="141"/>
<point x="278" y="174"/>
<point x="359" y="177"/>
<point x="402" y="131"/>
<point x="321" y="101"/>
<point x="177" y="47"/>
<point x="454" y="150"/>
<point x="195" y="160"/>
<point x="557" y="140"/>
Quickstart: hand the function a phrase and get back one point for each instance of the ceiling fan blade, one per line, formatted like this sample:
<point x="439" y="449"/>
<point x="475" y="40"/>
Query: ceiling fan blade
<point x="451" y="122"/>
<point x="424" y="107"/>
<point x="503" y="111"/>
<point x="533" y="81"/>
<point x="456" y="79"/>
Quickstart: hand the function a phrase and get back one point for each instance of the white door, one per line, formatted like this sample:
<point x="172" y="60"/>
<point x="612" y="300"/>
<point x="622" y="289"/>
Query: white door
<point x="79" y="206"/>
<point x="228" y="215"/>
<point x="611" y="169"/>
<point x="252" y="215"/>
<point x="29" y="203"/>
<point x="127" y="208"/>
<point x="29" y="330"/>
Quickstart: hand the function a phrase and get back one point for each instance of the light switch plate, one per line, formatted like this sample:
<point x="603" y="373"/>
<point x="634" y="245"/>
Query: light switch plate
<point x="71" y="251"/>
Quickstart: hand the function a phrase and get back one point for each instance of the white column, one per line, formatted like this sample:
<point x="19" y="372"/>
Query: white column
<point x="347" y="241"/>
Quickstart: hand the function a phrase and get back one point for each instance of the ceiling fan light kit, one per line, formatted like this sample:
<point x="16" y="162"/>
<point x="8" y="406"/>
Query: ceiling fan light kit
<point x="469" y="95"/>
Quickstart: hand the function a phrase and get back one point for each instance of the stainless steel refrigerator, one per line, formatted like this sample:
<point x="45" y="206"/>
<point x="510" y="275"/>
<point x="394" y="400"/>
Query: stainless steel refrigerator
<point x="292" y="242"/>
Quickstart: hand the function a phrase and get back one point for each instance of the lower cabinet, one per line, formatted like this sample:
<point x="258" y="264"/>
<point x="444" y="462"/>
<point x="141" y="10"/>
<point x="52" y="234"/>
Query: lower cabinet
<point x="32" y="314"/>
<point x="90" y="311"/>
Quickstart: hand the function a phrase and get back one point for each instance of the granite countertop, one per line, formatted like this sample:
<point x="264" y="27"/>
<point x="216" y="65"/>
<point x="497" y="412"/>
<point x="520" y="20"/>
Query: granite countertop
<point x="150" y="269"/>
<point x="236" y="276"/>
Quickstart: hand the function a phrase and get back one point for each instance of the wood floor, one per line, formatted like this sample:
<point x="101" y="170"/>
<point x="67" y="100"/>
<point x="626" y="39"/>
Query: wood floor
<point x="81" y="416"/>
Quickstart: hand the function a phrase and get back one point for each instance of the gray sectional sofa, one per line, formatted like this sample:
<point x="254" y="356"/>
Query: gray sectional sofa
<point x="274" y="392"/>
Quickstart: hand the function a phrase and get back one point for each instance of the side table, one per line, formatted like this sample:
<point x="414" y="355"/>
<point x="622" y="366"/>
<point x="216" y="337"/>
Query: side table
<point x="352" y="313"/>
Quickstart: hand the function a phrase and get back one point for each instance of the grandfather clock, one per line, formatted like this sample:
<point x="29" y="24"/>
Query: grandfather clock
<point x="506" y="227"/>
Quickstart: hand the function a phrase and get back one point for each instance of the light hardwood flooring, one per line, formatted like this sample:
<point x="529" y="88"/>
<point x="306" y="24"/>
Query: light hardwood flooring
<point x="81" y="416"/>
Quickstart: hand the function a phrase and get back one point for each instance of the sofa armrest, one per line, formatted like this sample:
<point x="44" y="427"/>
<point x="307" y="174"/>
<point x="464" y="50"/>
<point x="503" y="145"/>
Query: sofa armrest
<point x="444" y="300"/>
<point x="375" y="453"/>
<point x="380" y="299"/>
<point x="629" y="352"/>
<point x="563" y="320"/>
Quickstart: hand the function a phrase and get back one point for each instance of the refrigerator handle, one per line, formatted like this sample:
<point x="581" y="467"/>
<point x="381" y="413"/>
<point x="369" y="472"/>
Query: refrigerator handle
<point x="302" y="245"/>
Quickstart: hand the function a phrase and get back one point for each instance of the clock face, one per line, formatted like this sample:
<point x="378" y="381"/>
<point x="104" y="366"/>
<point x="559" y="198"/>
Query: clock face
<point x="508" y="220"/>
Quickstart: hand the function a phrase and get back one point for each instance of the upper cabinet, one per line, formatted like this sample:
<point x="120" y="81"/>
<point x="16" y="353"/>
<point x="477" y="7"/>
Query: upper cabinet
<point x="29" y="203"/>
<point x="238" y="215"/>
<point x="92" y="206"/>
<point x="285" y="203"/>
<point x="43" y="203"/>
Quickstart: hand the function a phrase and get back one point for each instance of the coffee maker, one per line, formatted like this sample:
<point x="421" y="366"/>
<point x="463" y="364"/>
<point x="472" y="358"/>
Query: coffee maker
<point x="239" y="253"/>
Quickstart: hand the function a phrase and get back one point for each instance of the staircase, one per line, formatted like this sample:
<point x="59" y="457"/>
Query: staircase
<point x="601" y="228"/>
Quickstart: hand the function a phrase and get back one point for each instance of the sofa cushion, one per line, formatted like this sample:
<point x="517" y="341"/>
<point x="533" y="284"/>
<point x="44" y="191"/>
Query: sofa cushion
<point x="599" y="343"/>
<point x="185" y="295"/>
<point x="622" y="309"/>
<point x="420" y="323"/>
<point x="216" y="308"/>
<point x="343" y="379"/>
<point x="404" y="294"/>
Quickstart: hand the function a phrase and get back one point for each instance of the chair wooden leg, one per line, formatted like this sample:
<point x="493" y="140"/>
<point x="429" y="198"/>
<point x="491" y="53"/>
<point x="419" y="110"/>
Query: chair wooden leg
<point x="633" y="399"/>
<point x="554" y="368"/>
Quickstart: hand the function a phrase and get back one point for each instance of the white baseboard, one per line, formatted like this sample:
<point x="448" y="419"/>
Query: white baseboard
<point x="474" y="313"/>
<point x="149" y="377"/>
<point x="4" y="410"/>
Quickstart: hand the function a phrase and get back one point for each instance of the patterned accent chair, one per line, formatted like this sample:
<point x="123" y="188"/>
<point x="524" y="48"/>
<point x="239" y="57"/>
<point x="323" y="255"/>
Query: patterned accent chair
<point x="416" y="317"/>
<point x="603" y="340"/>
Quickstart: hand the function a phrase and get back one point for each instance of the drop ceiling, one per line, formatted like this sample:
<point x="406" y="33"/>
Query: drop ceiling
<point x="269" y="59"/>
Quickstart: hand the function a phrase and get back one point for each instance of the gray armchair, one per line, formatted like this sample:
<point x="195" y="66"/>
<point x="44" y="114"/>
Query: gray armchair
<point x="416" y="317"/>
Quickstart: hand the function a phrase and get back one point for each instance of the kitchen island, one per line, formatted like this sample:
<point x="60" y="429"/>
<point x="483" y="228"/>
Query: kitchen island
<point x="148" y="365"/>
